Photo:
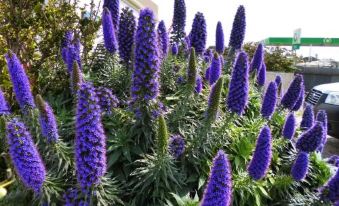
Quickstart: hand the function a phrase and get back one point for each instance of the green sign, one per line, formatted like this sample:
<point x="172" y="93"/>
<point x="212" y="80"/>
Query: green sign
<point x="295" y="46"/>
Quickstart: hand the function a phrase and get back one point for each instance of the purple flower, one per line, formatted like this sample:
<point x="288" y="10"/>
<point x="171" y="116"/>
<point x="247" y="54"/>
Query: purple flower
<point x="207" y="73"/>
<point x="270" y="100"/>
<point x="176" y="145"/>
<point x="336" y="203"/>
<point x="113" y="7"/>
<point x="308" y="118"/>
<point x="278" y="80"/>
<point x="20" y="82"/>
<point x="175" y="50"/>
<point x="126" y="34"/>
<point x="238" y="29"/>
<point x="331" y="190"/>
<point x="300" y="101"/>
<point x="198" y="85"/>
<point x="219" y="39"/>
<point x="239" y="86"/>
<point x="65" y="43"/>
<point x="258" y="59"/>
<point x="4" y="109"/>
<point x="71" y="198"/>
<point x="163" y="39"/>
<point x="109" y="32"/>
<point x="310" y="140"/>
<point x="291" y="96"/>
<point x="262" y="156"/>
<point x="219" y="186"/>
<point x="107" y="100"/>
<point x="214" y="100"/>
<point x="179" y="20"/>
<point x="334" y="160"/>
<point x="90" y="148"/>
<point x="289" y="126"/>
<point x="300" y="166"/>
<point x="261" y="77"/>
<point x="215" y="69"/>
<point x="322" y="117"/>
<point x="48" y="123"/>
<point x="145" y="84"/>
<point x="25" y="157"/>
<point x="199" y="33"/>
<point x="208" y="55"/>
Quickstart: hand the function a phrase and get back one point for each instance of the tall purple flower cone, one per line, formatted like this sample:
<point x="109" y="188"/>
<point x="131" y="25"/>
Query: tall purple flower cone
<point x="175" y="49"/>
<point x="48" y="123"/>
<point x="25" y="156"/>
<point x="331" y="190"/>
<point x="145" y="84"/>
<point x="164" y="39"/>
<point x="127" y="26"/>
<point x="310" y="140"/>
<point x="238" y="29"/>
<point x="300" y="166"/>
<point x="20" y="82"/>
<point x="198" y="85"/>
<point x="219" y="39"/>
<point x="207" y="73"/>
<point x="258" y="59"/>
<point x="110" y="41"/>
<point x="4" y="109"/>
<point x="179" y="20"/>
<point x="73" y="54"/>
<point x="199" y="33"/>
<point x="219" y="186"/>
<point x="113" y="7"/>
<point x="308" y="118"/>
<point x="239" y="86"/>
<point x="208" y="55"/>
<point x="300" y="101"/>
<point x="289" y="126"/>
<point x="107" y="100"/>
<point x="90" y="147"/>
<point x="215" y="69"/>
<point x="65" y="43"/>
<point x="278" y="80"/>
<point x="261" y="77"/>
<point x="292" y="94"/>
<point x="262" y="156"/>
<point x="270" y="100"/>
<point x="176" y="145"/>
<point x="322" y="117"/>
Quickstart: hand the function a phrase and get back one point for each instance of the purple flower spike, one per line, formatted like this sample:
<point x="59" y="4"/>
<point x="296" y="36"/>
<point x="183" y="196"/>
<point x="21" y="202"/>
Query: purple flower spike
<point x="261" y="77"/>
<point x="207" y="73"/>
<point x="208" y="55"/>
<point x="262" y="156"/>
<point x="278" y="80"/>
<point x="20" y="82"/>
<point x="25" y="157"/>
<point x="72" y="53"/>
<point x="90" y="148"/>
<point x="163" y="39"/>
<point x="179" y="20"/>
<point x="48" y="123"/>
<point x="331" y="190"/>
<point x="219" y="39"/>
<point x="308" y="118"/>
<point x="65" y="43"/>
<point x="219" y="186"/>
<point x="322" y="117"/>
<point x="113" y="7"/>
<point x="270" y="100"/>
<point x="176" y="145"/>
<point x="289" y="126"/>
<point x="215" y="69"/>
<point x="300" y="167"/>
<point x="334" y="160"/>
<point x="109" y="33"/>
<point x="198" y="85"/>
<point x="291" y="96"/>
<point x="258" y="59"/>
<point x="238" y="29"/>
<point x="310" y="140"/>
<point x="199" y="33"/>
<point x="126" y="34"/>
<point x="175" y="50"/>
<point x="145" y="84"/>
<point x="107" y="100"/>
<point x="300" y="101"/>
<point x="239" y="86"/>
<point x="4" y="109"/>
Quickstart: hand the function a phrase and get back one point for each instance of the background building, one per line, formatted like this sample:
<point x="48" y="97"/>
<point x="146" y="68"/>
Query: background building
<point x="136" y="5"/>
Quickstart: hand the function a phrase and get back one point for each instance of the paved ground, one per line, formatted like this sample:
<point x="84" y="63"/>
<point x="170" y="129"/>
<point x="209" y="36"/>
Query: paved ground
<point x="331" y="147"/>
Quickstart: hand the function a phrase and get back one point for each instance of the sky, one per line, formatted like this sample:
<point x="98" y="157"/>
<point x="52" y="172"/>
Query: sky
<point x="266" y="18"/>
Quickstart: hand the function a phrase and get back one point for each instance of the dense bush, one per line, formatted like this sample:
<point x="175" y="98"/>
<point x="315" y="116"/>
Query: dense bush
<point x="157" y="132"/>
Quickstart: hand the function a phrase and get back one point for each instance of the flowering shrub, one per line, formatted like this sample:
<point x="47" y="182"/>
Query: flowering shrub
<point x="185" y="128"/>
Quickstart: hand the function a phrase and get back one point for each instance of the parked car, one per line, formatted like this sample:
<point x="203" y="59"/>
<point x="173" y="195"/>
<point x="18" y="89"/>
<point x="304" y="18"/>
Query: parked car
<point x="326" y="97"/>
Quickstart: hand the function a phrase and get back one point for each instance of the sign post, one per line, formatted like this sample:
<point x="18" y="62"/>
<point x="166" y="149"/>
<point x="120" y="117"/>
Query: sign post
<point x="296" y="41"/>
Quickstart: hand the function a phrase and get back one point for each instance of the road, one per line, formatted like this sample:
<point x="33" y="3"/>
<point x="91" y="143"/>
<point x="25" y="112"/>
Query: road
<point x="331" y="147"/>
